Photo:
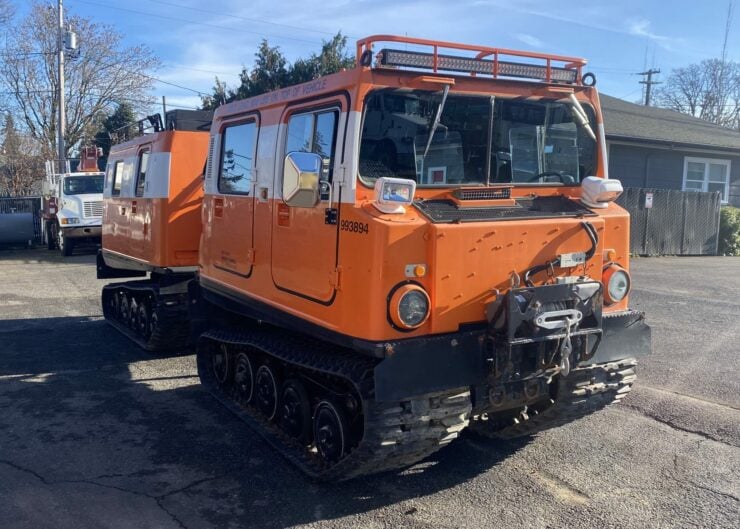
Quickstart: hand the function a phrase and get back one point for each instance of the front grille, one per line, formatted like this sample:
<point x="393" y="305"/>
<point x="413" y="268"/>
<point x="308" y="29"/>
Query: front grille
<point x="549" y="207"/>
<point x="93" y="208"/>
<point x="489" y="193"/>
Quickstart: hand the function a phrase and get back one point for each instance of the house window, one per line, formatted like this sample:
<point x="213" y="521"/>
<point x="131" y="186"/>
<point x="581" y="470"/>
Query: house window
<point x="708" y="175"/>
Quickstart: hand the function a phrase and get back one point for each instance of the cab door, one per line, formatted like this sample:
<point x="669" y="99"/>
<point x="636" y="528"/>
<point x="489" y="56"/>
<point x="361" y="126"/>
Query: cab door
<point x="140" y="215"/>
<point x="232" y="207"/>
<point x="304" y="238"/>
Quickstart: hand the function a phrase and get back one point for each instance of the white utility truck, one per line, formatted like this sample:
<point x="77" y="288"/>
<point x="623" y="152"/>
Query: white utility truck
<point x="72" y="208"/>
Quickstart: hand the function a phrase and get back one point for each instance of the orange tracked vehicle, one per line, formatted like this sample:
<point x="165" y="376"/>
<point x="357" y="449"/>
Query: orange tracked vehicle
<point x="151" y="225"/>
<point x="423" y="243"/>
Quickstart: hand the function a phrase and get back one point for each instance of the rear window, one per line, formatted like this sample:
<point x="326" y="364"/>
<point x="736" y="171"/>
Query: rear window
<point x="117" y="179"/>
<point x="141" y="175"/>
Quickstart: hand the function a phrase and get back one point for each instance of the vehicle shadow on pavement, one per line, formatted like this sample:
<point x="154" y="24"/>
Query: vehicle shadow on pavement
<point x="47" y="345"/>
<point x="92" y="425"/>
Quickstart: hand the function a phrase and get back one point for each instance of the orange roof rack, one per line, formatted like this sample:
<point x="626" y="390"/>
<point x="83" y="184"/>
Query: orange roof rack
<point x="539" y="66"/>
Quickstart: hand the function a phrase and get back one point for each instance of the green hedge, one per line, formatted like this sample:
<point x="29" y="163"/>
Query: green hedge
<point x="729" y="231"/>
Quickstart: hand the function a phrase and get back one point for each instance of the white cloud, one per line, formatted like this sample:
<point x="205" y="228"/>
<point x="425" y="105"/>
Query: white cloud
<point x="529" y="40"/>
<point x="641" y="28"/>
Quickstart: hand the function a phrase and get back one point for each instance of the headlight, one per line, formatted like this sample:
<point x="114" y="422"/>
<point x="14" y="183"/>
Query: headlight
<point x="70" y="220"/>
<point x="409" y="307"/>
<point x="617" y="284"/>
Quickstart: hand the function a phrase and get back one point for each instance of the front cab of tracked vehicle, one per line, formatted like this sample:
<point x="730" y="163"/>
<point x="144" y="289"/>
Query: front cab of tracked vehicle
<point x="487" y="270"/>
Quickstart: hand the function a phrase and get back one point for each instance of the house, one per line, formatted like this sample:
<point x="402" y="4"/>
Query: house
<point x="660" y="148"/>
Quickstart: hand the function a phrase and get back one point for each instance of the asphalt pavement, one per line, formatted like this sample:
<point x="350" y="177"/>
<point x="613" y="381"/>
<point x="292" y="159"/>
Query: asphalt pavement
<point x="96" y="433"/>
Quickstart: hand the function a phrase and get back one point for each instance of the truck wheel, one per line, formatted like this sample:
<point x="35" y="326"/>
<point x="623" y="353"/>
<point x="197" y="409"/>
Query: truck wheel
<point x="65" y="245"/>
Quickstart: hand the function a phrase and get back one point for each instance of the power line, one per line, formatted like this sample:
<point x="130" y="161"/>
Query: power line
<point x="187" y="21"/>
<point x="181" y="67"/>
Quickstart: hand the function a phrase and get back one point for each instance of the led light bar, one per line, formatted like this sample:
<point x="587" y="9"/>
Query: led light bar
<point x="452" y="63"/>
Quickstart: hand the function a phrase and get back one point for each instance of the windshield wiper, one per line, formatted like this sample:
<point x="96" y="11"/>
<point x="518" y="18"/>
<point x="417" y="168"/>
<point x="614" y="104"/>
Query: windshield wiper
<point x="437" y="119"/>
<point x="580" y="115"/>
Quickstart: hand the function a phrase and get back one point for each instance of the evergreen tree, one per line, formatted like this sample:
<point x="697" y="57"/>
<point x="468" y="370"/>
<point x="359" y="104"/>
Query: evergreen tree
<point x="117" y="127"/>
<point x="271" y="71"/>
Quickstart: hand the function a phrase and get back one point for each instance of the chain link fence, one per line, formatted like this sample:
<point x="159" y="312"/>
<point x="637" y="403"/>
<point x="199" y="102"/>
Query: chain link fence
<point x="20" y="221"/>
<point x="678" y="223"/>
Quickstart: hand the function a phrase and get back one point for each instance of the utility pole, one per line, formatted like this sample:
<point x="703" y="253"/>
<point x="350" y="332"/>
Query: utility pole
<point x="164" y="112"/>
<point x="649" y="82"/>
<point x="61" y="118"/>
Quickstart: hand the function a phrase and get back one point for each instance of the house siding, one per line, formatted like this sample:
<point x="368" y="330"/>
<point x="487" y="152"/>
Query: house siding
<point x="640" y="166"/>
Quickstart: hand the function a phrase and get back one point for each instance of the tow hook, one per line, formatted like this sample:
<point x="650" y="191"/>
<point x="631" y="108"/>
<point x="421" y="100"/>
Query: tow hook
<point x="566" y="348"/>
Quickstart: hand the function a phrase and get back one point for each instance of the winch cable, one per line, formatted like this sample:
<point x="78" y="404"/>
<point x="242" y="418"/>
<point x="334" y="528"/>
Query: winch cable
<point x="592" y="235"/>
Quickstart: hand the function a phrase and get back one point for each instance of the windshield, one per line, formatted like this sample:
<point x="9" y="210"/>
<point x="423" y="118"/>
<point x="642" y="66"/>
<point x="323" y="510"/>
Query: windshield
<point x="83" y="185"/>
<point x="479" y="140"/>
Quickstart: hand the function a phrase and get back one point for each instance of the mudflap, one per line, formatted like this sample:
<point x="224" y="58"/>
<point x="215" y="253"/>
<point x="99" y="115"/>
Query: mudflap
<point x="624" y="335"/>
<point x="435" y="363"/>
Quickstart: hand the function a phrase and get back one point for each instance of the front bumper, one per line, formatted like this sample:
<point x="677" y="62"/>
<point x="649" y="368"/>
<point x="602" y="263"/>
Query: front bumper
<point x="83" y="232"/>
<point x="434" y="363"/>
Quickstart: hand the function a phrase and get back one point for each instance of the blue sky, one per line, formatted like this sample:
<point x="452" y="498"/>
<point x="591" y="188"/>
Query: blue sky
<point x="198" y="39"/>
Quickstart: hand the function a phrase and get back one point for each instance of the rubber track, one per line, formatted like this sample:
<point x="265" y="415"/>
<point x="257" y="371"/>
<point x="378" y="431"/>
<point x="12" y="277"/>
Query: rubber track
<point x="396" y="434"/>
<point x="173" y="330"/>
<point x="584" y="391"/>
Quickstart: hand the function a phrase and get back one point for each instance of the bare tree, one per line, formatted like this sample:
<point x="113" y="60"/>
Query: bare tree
<point x="21" y="165"/>
<point x="7" y="10"/>
<point x="708" y="90"/>
<point x="102" y="75"/>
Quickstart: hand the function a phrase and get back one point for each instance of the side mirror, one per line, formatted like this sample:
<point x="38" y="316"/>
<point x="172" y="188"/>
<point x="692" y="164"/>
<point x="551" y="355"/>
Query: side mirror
<point x="301" y="176"/>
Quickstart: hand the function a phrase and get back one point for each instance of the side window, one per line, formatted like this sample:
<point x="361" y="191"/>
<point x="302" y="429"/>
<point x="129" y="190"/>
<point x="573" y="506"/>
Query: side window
<point x="314" y="132"/>
<point x="141" y="176"/>
<point x="237" y="158"/>
<point x="117" y="179"/>
<point x="300" y="131"/>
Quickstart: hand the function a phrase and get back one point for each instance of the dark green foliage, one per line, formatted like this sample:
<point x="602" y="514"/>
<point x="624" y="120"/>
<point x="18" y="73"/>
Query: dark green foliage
<point x="116" y="128"/>
<point x="729" y="231"/>
<point x="272" y="71"/>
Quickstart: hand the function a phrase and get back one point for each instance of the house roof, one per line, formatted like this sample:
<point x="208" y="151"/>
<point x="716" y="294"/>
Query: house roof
<point x="628" y="121"/>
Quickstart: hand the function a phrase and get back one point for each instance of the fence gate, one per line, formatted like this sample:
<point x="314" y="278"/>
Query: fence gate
<point x="678" y="223"/>
<point x="19" y="220"/>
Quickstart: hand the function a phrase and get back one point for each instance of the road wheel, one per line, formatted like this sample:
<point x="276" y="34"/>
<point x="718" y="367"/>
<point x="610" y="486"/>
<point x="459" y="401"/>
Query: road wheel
<point x="244" y="378"/>
<point x="153" y="319"/>
<point x="221" y="364"/>
<point x="330" y="431"/>
<point x="65" y="244"/>
<point x="295" y="417"/>
<point x="124" y="307"/>
<point x="268" y="398"/>
<point x="143" y="321"/>
<point x="115" y="305"/>
<point x="133" y="314"/>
